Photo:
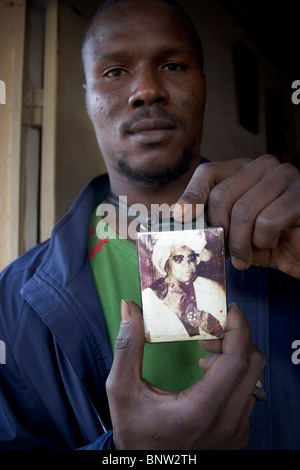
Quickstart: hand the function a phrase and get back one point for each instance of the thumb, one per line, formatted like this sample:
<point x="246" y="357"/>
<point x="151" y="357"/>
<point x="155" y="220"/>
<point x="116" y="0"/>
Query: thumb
<point x="129" y="346"/>
<point x="207" y="175"/>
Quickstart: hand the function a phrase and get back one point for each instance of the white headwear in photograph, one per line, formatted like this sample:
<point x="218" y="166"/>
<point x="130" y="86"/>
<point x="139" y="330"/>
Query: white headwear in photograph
<point x="167" y="242"/>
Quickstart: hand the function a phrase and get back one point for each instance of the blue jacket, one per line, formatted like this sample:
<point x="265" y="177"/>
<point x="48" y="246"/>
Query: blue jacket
<point x="58" y="354"/>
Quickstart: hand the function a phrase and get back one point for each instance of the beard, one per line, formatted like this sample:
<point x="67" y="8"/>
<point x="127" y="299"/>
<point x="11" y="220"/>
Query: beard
<point x="156" y="178"/>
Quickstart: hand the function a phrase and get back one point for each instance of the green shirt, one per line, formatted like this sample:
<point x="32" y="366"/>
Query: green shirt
<point x="114" y="262"/>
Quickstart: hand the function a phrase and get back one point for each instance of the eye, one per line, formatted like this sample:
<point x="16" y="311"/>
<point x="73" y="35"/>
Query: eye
<point x="192" y="257"/>
<point x="114" y="73"/>
<point x="174" y="67"/>
<point x="178" y="258"/>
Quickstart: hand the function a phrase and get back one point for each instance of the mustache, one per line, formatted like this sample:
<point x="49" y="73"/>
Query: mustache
<point x="144" y="113"/>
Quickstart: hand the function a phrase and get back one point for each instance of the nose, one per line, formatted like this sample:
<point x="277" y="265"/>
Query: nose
<point x="148" y="88"/>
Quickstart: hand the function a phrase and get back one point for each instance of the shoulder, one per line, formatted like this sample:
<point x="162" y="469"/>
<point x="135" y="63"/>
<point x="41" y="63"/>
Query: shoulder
<point x="25" y="264"/>
<point x="204" y="283"/>
<point x="12" y="280"/>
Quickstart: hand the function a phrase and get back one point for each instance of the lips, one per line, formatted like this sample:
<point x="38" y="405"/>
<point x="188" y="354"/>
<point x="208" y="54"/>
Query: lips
<point x="152" y="131"/>
<point x="146" y="125"/>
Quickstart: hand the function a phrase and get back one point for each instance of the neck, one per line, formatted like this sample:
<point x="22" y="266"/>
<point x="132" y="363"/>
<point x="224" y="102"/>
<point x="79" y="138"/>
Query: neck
<point x="146" y="196"/>
<point x="140" y="193"/>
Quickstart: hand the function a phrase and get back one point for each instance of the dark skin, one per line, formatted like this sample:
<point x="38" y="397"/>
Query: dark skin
<point x="146" y="101"/>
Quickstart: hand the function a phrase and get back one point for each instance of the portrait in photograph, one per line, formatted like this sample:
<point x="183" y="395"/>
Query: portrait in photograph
<point x="182" y="277"/>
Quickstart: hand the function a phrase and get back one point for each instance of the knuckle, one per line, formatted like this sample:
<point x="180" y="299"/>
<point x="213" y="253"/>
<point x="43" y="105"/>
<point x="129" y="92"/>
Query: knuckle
<point x="122" y="342"/>
<point x="240" y="365"/>
<point x="218" y="197"/>
<point x="244" y="364"/>
<point x="268" y="160"/>
<point x="242" y="210"/>
<point x="245" y="161"/>
<point x="288" y="171"/>
<point x="199" y="185"/>
<point x="194" y="193"/>
<point x="257" y="357"/>
<point x="267" y="228"/>
<point x="110" y="385"/>
<point x="230" y="432"/>
<point x="204" y="168"/>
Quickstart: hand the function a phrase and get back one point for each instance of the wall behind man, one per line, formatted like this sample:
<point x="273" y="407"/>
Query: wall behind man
<point x="224" y="137"/>
<point x="78" y="157"/>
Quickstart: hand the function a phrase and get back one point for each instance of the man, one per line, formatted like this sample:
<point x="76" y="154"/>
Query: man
<point x="145" y="94"/>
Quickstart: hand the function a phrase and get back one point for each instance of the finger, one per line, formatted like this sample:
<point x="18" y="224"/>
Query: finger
<point x="216" y="346"/>
<point x="211" y="345"/>
<point x="206" y="362"/>
<point x="282" y="214"/>
<point x="244" y="390"/>
<point x="233" y="429"/>
<point x="237" y="339"/>
<point x="240" y="436"/>
<point x="261" y="213"/>
<point x="205" y="178"/>
<point x="129" y="345"/>
<point x="223" y="197"/>
<point x="229" y="367"/>
<point x="240" y="405"/>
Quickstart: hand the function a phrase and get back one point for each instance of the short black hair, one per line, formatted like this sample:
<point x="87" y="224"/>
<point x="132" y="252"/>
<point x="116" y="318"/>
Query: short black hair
<point x="109" y="4"/>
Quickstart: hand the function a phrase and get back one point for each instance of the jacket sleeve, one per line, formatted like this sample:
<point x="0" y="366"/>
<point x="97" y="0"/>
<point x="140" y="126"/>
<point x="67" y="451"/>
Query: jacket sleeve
<point x="43" y="404"/>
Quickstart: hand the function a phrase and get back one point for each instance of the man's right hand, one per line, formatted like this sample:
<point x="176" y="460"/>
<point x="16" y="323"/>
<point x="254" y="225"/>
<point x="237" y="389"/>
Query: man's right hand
<point x="211" y="414"/>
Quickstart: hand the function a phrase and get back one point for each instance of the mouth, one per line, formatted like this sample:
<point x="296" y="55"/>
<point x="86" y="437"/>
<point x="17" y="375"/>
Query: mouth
<point x="152" y="131"/>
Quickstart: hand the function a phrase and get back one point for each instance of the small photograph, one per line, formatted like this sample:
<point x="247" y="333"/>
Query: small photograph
<point x="182" y="278"/>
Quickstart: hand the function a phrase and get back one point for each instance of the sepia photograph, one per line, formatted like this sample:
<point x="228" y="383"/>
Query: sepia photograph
<point x="181" y="298"/>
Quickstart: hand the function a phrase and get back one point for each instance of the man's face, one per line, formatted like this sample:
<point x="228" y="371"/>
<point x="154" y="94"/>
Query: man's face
<point x="145" y="91"/>
<point x="182" y="264"/>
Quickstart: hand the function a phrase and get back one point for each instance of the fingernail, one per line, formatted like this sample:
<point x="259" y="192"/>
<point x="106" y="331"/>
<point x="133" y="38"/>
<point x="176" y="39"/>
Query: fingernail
<point x="182" y="209"/>
<point x="239" y="264"/>
<point x="125" y="312"/>
<point x="234" y="305"/>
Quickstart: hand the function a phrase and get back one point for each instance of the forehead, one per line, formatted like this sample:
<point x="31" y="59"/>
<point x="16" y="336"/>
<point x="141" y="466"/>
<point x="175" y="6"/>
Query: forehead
<point x="138" y="23"/>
